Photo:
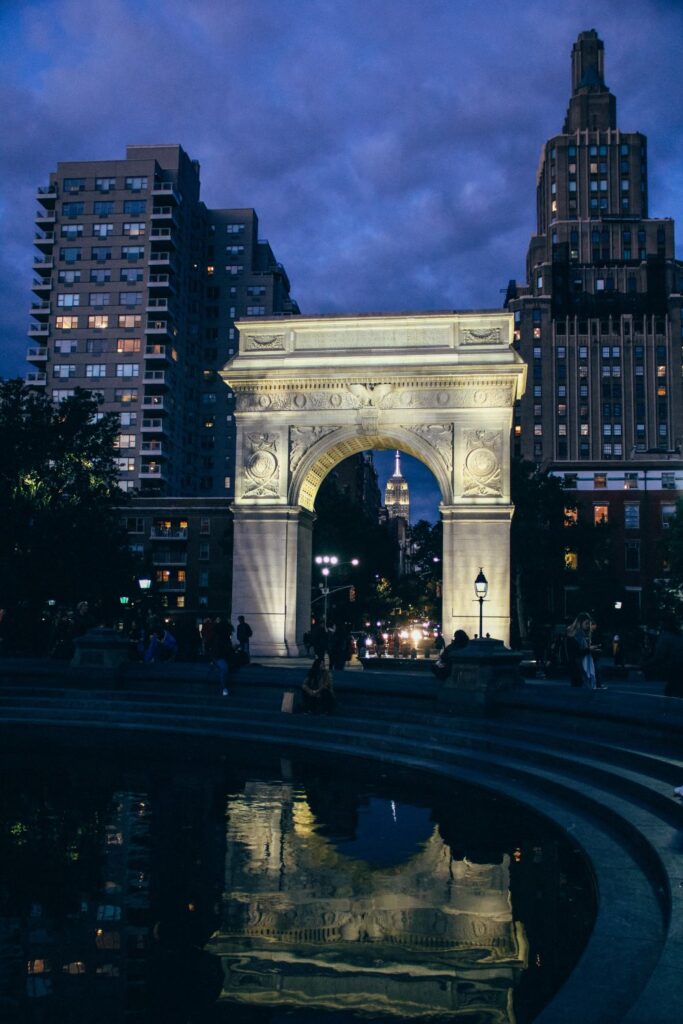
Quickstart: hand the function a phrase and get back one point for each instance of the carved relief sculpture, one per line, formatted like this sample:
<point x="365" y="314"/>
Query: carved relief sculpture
<point x="261" y="468"/>
<point x="482" y="474"/>
<point x="492" y="336"/>
<point x="439" y="436"/>
<point x="260" y="342"/>
<point x="303" y="438"/>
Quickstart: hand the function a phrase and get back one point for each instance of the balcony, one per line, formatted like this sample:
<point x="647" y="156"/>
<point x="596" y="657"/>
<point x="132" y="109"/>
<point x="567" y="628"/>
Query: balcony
<point x="159" y="377"/>
<point x="157" y="305"/>
<point x="154" y="426"/>
<point x="40" y="309"/>
<point x="153" y="471"/>
<point x="37" y="355"/>
<point x="165" y="236"/>
<point x="160" y="259"/>
<point x="165" y="214"/>
<point x="44" y="217"/>
<point x="36" y="378"/>
<point x="173" y="586"/>
<point x="154" y="403"/>
<point x="47" y="195"/>
<point x="160" y="353"/>
<point x="168" y="533"/>
<point x="44" y="240"/>
<point x="43" y="263"/>
<point x="157" y="327"/>
<point x="38" y="331"/>
<point x="161" y="281"/>
<point x="41" y="285"/>
<point x="166" y="190"/>
<point x="155" y="448"/>
<point x="178" y="557"/>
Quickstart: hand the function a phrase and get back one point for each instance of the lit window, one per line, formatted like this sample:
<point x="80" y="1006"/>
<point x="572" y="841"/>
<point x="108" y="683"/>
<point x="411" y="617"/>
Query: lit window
<point x="538" y="429"/>
<point x="129" y="320"/>
<point x="98" y="322"/>
<point x="571" y="515"/>
<point x="600" y="515"/>
<point x="583" y="429"/>
<point x="66" y="323"/>
<point x="668" y="512"/>
<point x="571" y="561"/>
<point x="128" y="345"/>
<point x="125" y="441"/>
<point x="134" y="228"/>
<point x="599" y="480"/>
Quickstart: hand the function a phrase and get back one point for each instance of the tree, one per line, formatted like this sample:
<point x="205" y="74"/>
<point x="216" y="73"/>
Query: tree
<point x="62" y="538"/>
<point x="538" y="544"/>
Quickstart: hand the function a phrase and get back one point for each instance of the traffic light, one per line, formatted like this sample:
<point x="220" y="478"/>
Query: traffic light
<point x="352" y="593"/>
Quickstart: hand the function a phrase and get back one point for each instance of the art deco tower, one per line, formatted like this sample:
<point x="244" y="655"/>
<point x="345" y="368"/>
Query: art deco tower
<point x="599" y="324"/>
<point x="396" y="495"/>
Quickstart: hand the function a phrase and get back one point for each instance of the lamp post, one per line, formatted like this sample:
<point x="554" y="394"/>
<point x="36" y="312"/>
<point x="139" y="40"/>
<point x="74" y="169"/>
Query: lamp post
<point x="481" y="586"/>
<point x="327" y="562"/>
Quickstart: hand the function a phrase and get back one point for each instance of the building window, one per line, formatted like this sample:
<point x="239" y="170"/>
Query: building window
<point x="66" y="323"/>
<point x="100" y="298"/>
<point x="668" y="512"/>
<point x="96" y="370"/>
<point x="538" y="429"/>
<point x="98" y="322"/>
<point x="204" y="526"/>
<point x="74" y="184"/>
<point x="600" y="515"/>
<point x="102" y="230"/>
<point x="125" y="465"/>
<point x="103" y="208"/>
<point x="599" y="481"/>
<point x="65" y="346"/>
<point x="632" y="555"/>
<point x="99" y="277"/>
<point x="67" y="299"/>
<point x="129" y="320"/>
<point x="105" y="184"/>
<point x="126" y="395"/>
<point x="571" y="561"/>
<point x="130" y="298"/>
<point x="668" y="480"/>
<point x="134" y="206"/>
<point x="72" y="230"/>
<point x="64" y="370"/>
<point x="128" y="370"/>
<point x="125" y="441"/>
<point x="135" y="184"/>
<point x="128" y="345"/>
<point x="132" y="252"/>
<point x="632" y="516"/>
<point x="73" y="209"/>
<point x="204" y="549"/>
<point x="133" y="229"/>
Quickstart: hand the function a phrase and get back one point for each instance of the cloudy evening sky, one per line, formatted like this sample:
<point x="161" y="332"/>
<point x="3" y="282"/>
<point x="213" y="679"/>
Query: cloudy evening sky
<point x="388" y="146"/>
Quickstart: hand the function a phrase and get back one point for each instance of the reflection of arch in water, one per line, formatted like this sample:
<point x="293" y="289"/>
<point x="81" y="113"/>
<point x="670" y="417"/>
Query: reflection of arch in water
<point x="311" y="392"/>
<point x="297" y="909"/>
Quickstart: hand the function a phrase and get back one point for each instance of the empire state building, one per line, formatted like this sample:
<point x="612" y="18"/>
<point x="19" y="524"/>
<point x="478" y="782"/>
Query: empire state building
<point x="396" y="495"/>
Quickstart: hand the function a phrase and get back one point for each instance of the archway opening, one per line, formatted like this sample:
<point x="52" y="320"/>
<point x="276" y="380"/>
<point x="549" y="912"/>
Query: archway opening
<point x="376" y="570"/>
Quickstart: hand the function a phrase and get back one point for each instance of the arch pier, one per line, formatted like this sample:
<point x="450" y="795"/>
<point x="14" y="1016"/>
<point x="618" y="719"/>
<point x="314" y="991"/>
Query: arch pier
<point x="310" y="392"/>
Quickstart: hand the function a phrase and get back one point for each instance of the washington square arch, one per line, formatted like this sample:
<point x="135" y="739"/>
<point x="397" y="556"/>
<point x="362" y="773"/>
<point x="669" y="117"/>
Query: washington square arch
<point x="311" y="391"/>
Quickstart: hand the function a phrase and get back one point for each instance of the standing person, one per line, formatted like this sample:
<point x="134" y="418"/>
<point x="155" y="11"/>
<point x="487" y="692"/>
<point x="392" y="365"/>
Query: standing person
<point x="580" y="651"/>
<point x="244" y="633"/>
<point x="207" y="631"/>
<point x="222" y="652"/>
<point x="668" y="657"/>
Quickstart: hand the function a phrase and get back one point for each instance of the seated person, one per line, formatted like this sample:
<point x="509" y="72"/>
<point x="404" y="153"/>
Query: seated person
<point x="317" y="694"/>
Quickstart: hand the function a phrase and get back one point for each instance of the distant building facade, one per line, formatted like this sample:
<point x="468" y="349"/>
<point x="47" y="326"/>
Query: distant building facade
<point x="599" y="323"/>
<point x="397" y="505"/>
<point x="138" y="285"/>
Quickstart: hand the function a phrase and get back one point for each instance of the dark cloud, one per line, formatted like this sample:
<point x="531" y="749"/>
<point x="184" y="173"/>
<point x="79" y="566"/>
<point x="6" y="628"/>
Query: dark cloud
<point x="389" y="147"/>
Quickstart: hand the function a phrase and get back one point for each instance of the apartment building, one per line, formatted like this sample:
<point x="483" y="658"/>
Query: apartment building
<point x="599" y="323"/>
<point x="137" y="287"/>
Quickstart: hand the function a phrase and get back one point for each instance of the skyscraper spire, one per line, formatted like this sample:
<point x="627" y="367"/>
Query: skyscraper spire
<point x="396" y="495"/>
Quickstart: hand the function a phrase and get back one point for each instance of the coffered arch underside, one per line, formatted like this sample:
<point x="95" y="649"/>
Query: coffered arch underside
<point x="339" y="443"/>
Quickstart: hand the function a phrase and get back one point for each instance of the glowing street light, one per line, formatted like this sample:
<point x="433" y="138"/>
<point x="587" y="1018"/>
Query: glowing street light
<point x="481" y="587"/>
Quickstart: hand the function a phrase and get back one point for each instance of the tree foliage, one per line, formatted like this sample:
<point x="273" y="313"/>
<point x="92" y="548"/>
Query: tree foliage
<point x="61" y="538"/>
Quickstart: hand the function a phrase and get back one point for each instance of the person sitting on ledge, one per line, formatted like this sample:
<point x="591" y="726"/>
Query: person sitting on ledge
<point x="316" y="692"/>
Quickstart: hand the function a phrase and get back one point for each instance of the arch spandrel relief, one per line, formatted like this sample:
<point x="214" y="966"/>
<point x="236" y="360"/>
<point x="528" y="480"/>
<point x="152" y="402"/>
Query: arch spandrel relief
<point x="482" y="468"/>
<point x="261" y="466"/>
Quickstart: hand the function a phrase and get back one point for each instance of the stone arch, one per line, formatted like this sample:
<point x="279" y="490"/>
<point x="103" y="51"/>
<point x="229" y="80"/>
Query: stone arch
<point x="309" y="392"/>
<point x="342" y="442"/>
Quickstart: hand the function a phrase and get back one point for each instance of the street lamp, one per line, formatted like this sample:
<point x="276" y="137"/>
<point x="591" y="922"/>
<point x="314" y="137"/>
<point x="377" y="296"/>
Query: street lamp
<point x="481" y="587"/>
<point x="144" y="583"/>
<point x="327" y="562"/>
